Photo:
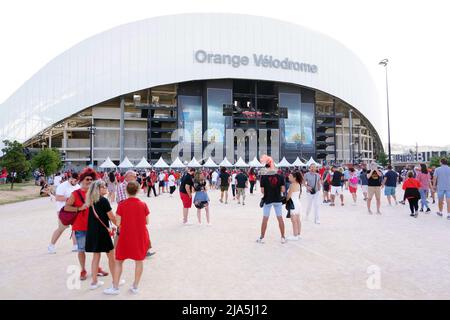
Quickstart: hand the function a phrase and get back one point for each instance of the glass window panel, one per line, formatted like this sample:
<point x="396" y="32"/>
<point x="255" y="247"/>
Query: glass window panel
<point x="216" y="124"/>
<point x="191" y="116"/>
<point x="292" y="128"/>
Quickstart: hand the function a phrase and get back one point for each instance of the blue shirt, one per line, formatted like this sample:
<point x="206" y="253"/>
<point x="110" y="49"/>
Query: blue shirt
<point x="391" y="178"/>
<point x="363" y="178"/>
<point x="442" y="175"/>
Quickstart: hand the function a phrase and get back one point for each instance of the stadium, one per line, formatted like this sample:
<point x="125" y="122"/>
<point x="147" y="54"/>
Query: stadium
<point x="123" y="92"/>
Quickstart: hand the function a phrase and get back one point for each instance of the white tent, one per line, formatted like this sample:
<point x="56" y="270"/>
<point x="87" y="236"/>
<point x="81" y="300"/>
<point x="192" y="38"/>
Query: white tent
<point x="210" y="163"/>
<point x="311" y="161"/>
<point x="126" y="163"/>
<point x="283" y="163"/>
<point x="177" y="164"/>
<point x="240" y="163"/>
<point x="255" y="163"/>
<point x="194" y="163"/>
<point x="298" y="163"/>
<point x="143" y="164"/>
<point x="160" y="163"/>
<point x="225" y="163"/>
<point x="108" y="164"/>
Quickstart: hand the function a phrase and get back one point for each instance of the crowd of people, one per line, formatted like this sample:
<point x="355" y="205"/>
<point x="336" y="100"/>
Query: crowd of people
<point x="122" y="234"/>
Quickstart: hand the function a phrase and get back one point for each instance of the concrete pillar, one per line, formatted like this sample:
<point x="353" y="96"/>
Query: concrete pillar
<point x="122" y="129"/>
<point x="64" y="142"/>
<point x="50" y="139"/>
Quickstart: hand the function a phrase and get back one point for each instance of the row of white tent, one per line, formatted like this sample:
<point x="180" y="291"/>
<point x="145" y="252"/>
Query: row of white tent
<point x="178" y="164"/>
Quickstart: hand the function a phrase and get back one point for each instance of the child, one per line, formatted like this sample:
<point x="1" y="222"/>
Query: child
<point x="134" y="241"/>
<point x="411" y="187"/>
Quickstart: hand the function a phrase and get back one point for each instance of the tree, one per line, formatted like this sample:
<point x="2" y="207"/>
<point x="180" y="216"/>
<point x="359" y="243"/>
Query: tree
<point x="436" y="161"/>
<point x="14" y="160"/>
<point x="382" y="159"/>
<point x="49" y="160"/>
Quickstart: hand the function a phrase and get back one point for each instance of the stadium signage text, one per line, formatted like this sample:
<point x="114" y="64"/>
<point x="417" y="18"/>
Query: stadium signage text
<point x="258" y="60"/>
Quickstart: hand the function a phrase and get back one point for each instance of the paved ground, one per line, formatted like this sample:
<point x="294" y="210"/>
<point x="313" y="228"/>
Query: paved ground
<point x="334" y="260"/>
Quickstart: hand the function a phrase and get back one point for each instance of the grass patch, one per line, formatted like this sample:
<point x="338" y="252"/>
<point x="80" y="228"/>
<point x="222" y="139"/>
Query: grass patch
<point x="18" y="199"/>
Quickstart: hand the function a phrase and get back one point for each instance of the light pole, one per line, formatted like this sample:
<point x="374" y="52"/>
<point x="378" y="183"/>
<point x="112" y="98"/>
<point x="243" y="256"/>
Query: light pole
<point x="384" y="63"/>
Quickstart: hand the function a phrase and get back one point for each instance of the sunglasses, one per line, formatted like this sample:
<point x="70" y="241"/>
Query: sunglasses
<point x="88" y="179"/>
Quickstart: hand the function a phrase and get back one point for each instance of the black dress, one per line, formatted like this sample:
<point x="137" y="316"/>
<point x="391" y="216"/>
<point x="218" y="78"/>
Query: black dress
<point x="97" y="236"/>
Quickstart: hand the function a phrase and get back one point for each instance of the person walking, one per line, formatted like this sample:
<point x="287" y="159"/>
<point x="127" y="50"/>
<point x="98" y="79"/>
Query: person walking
<point x="151" y="182"/>
<point x="99" y="231"/>
<point x="312" y="182"/>
<point x="225" y="180"/>
<point x="353" y="184"/>
<point x="186" y="190"/>
<point x="293" y="194"/>
<point x="374" y="187"/>
<point x="161" y="178"/>
<point x="63" y="192"/>
<point x="233" y="183"/>
<point x="241" y="185"/>
<point x="337" y="179"/>
<point x="364" y="183"/>
<point x="112" y="187"/>
<point x="272" y="187"/>
<point x="326" y="182"/>
<point x="390" y="184"/>
<point x="172" y="183"/>
<point x="411" y="187"/>
<point x="134" y="241"/>
<point x="214" y="178"/>
<point x="424" y="177"/>
<point x="441" y="185"/>
<point x="252" y="179"/>
<point x="201" y="198"/>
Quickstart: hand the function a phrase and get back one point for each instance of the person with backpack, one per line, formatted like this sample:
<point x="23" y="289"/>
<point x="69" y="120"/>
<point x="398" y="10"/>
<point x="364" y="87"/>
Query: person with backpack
<point x="99" y="231"/>
<point x="201" y="199"/>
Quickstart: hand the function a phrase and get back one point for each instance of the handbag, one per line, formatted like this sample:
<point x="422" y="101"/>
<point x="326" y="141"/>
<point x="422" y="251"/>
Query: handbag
<point x="111" y="231"/>
<point x="261" y="203"/>
<point x="67" y="217"/>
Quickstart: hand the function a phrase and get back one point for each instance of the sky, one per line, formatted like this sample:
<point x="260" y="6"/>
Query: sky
<point x="413" y="35"/>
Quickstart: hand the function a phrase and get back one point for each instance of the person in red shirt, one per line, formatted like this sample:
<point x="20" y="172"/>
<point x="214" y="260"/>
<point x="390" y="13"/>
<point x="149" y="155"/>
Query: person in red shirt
<point x="76" y="203"/>
<point x="134" y="240"/>
<point x="411" y="187"/>
<point x="252" y="179"/>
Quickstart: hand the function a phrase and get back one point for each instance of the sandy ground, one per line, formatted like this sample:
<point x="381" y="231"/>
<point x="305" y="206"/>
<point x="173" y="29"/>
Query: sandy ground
<point x="334" y="260"/>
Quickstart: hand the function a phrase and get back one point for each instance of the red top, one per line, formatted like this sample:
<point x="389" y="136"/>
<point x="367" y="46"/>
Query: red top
<point x="411" y="183"/>
<point x="134" y="240"/>
<point x="251" y="177"/>
<point x="322" y="171"/>
<point x="81" y="221"/>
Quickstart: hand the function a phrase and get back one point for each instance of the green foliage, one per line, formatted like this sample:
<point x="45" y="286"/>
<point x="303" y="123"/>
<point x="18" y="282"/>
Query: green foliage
<point x="436" y="161"/>
<point x="14" y="160"/>
<point x="382" y="159"/>
<point x="49" y="160"/>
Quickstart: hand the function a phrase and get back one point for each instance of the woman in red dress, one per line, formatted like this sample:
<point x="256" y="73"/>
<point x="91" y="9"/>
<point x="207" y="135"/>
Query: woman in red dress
<point x="133" y="241"/>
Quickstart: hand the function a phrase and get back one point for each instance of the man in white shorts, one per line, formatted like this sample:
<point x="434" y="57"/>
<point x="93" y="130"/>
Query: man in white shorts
<point x="63" y="193"/>
<point x="337" y="180"/>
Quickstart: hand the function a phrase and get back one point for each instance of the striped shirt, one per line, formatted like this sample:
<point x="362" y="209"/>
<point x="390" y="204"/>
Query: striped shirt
<point x="122" y="192"/>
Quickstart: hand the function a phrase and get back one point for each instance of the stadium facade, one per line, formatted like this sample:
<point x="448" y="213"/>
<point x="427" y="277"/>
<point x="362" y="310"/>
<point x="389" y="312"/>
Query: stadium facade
<point x="123" y="92"/>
